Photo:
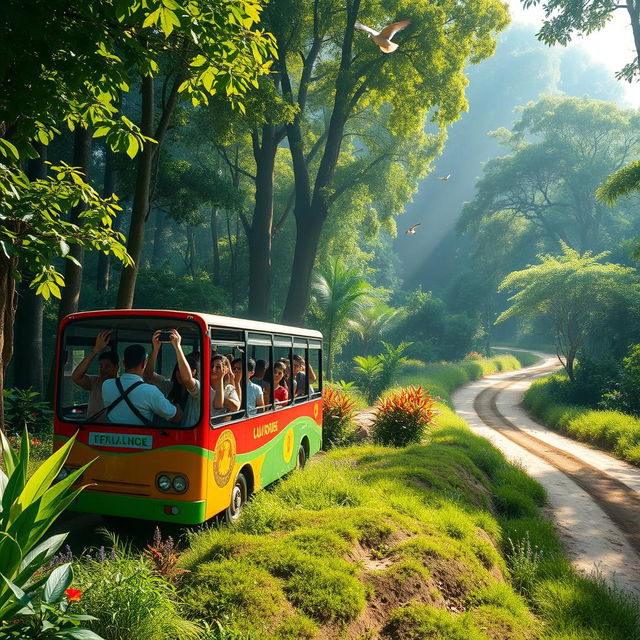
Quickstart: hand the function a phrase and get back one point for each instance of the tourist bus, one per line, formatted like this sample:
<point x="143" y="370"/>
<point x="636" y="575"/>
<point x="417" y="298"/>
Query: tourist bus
<point x="186" y="473"/>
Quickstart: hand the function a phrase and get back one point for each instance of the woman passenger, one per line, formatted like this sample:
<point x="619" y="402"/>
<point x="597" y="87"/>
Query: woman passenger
<point x="224" y="398"/>
<point x="280" y="384"/>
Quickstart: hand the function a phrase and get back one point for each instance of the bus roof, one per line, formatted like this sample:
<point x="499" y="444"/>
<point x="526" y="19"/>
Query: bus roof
<point x="207" y="318"/>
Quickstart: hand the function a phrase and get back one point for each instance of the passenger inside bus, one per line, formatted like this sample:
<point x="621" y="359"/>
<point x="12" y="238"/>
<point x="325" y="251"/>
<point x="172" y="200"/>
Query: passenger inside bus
<point x="108" y="365"/>
<point x="258" y="376"/>
<point x="299" y="382"/>
<point x="224" y="398"/>
<point x="130" y="400"/>
<point x="255" y="400"/>
<point x="183" y="387"/>
<point x="280" y="382"/>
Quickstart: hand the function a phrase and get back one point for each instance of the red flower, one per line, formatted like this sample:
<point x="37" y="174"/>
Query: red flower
<point x="73" y="594"/>
<point x="35" y="442"/>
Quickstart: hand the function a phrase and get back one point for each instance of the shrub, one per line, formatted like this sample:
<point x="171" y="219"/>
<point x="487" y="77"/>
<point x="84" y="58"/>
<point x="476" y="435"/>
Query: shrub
<point x="630" y="380"/>
<point x="30" y="601"/>
<point x="403" y="417"/>
<point x="24" y="409"/>
<point x="337" y="411"/>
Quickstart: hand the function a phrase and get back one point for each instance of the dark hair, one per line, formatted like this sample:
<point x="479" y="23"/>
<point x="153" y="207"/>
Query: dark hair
<point x="134" y="355"/>
<point x="297" y="358"/>
<point x="111" y="356"/>
<point x="178" y="393"/>
<point x="236" y="360"/>
<point x="285" y="373"/>
<point x="251" y="365"/>
<point x="261" y="365"/>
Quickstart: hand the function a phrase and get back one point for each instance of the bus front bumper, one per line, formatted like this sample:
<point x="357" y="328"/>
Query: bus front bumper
<point x="161" y="510"/>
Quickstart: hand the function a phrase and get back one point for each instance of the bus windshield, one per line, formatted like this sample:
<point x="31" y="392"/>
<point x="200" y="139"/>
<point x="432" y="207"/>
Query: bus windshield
<point x="89" y="356"/>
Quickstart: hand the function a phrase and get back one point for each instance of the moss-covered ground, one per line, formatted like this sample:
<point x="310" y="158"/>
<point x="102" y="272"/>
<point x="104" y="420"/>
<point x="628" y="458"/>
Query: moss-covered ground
<point x="444" y="539"/>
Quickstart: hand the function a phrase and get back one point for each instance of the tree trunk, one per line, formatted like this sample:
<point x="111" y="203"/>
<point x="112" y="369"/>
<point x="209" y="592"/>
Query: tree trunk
<point x="261" y="227"/>
<point x="27" y="362"/>
<point x="232" y="268"/>
<point x="140" y="205"/>
<point x="7" y="317"/>
<point x="158" y="246"/>
<point x="104" y="261"/>
<point x="72" y="271"/>
<point x="215" y="273"/>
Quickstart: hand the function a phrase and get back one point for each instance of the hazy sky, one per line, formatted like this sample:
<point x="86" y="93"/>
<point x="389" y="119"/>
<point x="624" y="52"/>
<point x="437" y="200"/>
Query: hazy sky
<point x="612" y="46"/>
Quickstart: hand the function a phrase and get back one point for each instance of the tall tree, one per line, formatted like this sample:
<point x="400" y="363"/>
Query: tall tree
<point x="411" y="83"/>
<point x="575" y="291"/>
<point x="562" y="148"/>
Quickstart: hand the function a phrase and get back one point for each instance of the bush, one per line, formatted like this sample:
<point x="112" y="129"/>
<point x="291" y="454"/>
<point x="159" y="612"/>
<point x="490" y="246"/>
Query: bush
<point x="24" y="409"/>
<point x="403" y="417"/>
<point x="337" y="412"/>
<point x="630" y="380"/>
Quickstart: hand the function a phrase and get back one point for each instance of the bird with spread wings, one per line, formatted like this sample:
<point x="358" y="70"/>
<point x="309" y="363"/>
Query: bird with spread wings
<point x="412" y="229"/>
<point x="383" y="38"/>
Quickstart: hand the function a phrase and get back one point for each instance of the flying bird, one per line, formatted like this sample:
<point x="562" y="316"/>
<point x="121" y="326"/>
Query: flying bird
<point x="445" y="177"/>
<point x="383" y="38"/>
<point x="412" y="229"/>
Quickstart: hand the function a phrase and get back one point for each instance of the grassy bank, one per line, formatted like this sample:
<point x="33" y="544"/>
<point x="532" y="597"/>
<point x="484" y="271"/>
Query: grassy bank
<point x="613" y="431"/>
<point x="439" y="540"/>
<point x="442" y="378"/>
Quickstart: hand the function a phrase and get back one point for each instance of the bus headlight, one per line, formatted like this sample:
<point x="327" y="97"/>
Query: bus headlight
<point x="164" y="483"/>
<point x="180" y="484"/>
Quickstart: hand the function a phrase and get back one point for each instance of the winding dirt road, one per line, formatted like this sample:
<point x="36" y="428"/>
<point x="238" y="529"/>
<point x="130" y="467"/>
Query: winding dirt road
<point x="594" y="499"/>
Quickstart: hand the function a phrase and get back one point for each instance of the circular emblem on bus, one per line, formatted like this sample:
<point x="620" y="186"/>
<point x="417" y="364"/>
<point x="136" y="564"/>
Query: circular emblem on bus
<point x="315" y="411"/>
<point x="287" y="448"/>
<point x="224" y="457"/>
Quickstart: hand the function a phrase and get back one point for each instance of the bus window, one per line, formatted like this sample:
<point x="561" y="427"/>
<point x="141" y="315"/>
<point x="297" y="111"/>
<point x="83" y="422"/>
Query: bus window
<point x="314" y="369"/>
<point x="83" y="371"/>
<point x="231" y="344"/>
<point x="261" y="354"/>
<point x="300" y="375"/>
<point x="282" y="382"/>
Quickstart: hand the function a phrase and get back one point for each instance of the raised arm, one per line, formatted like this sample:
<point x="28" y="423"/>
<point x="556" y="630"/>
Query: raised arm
<point x="79" y="374"/>
<point x="149" y="369"/>
<point x="183" y="365"/>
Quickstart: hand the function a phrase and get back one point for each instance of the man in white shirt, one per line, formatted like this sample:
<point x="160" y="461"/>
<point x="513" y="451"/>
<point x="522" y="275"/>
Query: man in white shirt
<point x="130" y="400"/>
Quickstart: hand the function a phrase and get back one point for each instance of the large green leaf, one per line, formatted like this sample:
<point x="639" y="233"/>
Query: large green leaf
<point x="10" y="554"/>
<point x="9" y="456"/>
<point x="20" y="595"/>
<point x="58" y="581"/>
<point x="41" y="480"/>
<point x="80" y="634"/>
<point x="42" y="552"/>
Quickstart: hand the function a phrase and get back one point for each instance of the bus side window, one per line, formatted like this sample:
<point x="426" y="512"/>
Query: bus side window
<point x="314" y="369"/>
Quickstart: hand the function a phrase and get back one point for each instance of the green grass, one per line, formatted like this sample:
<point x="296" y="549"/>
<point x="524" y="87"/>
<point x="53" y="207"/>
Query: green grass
<point x="613" y="431"/>
<point x="442" y="378"/>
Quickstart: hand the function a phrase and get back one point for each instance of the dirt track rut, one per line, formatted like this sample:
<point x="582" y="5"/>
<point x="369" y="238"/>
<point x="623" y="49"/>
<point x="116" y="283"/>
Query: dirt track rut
<point x="594" y="499"/>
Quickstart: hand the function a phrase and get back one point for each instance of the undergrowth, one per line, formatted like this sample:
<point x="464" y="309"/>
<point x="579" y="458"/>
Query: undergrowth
<point x="613" y="431"/>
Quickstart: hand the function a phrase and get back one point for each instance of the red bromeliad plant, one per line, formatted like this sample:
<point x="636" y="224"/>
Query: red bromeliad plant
<point x="402" y="418"/>
<point x="337" y="412"/>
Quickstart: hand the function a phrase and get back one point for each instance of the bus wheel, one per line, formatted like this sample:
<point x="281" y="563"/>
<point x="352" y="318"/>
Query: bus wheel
<point x="302" y="458"/>
<point x="238" y="498"/>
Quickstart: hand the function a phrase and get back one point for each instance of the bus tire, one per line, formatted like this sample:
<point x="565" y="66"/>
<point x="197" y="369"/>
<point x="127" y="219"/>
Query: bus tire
<point x="239" y="495"/>
<point x="302" y="457"/>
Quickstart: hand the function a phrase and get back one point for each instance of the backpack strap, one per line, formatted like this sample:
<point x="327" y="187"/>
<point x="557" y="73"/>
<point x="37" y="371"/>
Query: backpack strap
<point x="124" y="395"/>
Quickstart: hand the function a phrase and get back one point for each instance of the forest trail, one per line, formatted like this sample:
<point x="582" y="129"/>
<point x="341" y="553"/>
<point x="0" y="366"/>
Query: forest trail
<point x="594" y="498"/>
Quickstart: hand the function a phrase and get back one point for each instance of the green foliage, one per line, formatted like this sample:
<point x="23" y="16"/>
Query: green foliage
<point x="574" y="290"/>
<point x="129" y="599"/>
<point x="33" y="211"/>
<point x="24" y="410"/>
<point x="29" y="507"/>
<point x="46" y="613"/>
<point x="376" y="373"/>
<point x="403" y="417"/>
<point x="337" y="413"/>
<point x="630" y="380"/>
<point x="339" y="292"/>
<point x="612" y="430"/>
<point x="161" y="288"/>
<point x="620" y="183"/>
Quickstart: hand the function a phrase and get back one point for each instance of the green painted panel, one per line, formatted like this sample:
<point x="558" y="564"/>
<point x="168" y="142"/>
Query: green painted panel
<point x="139" y="508"/>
